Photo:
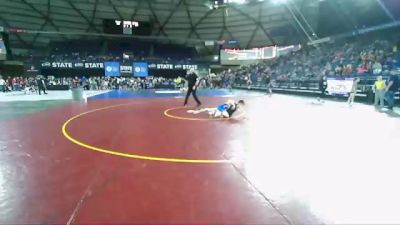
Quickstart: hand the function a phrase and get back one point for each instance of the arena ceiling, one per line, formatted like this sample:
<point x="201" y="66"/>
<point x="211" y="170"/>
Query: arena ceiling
<point x="183" y="21"/>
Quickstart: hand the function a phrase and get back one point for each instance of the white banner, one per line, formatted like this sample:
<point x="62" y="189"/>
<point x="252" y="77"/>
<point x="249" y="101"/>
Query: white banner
<point x="87" y="65"/>
<point x="94" y="65"/>
<point x="339" y="87"/>
<point x="61" y="65"/>
<point x="209" y="43"/>
<point x="172" y="66"/>
<point x="126" y="69"/>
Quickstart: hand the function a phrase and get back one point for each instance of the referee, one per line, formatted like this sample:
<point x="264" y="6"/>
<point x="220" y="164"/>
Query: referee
<point x="41" y="84"/>
<point x="191" y="78"/>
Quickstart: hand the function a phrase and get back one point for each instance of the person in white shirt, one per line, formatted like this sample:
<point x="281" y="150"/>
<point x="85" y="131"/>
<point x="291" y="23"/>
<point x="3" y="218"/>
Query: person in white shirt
<point x="2" y="84"/>
<point x="377" y="68"/>
<point x="353" y="92"/>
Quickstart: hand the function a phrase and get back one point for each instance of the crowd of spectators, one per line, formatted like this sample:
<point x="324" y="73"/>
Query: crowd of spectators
<point x="379" y="57"/>
<point x="16" y="83"/>
<point x="79" y="57"/>
<point x="108" y="83"/>
<point x="109" y="50"/>
<point x="91" y="83"/>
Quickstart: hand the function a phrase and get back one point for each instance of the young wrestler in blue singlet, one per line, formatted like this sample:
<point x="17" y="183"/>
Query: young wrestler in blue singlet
<point x="225" y="110"/>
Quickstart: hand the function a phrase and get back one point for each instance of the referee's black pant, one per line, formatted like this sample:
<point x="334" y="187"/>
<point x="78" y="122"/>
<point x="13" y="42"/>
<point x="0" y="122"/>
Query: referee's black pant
<point x="193" y="92"/>
<point x="42" y="89"/>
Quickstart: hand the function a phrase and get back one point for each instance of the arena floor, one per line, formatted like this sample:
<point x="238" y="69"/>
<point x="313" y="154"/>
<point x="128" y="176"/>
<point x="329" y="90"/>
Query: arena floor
<point x="139" y="158"/>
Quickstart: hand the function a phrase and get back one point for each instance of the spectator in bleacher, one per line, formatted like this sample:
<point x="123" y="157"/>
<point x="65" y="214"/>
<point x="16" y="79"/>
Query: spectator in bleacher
<point x="371" y="56"/>
<point x="92" y="83"/>
<point x="377" y="68"/>
<point x="369" y="67"/>
<point x="339" y="69"/>
<point x="15" y="83"/>
<point x="10" y="83"/>
<point x="3" y="85"/>
<point x="328" y="66"/>
<point x="75" y="82"/>
<point x="323" y="84"/>
<point x="85" y="83"/>
<point x="362" y="69"/>
<point x="104" y="84"/>
<point x="21" y="83"/>
<point x="268" y="85"/>
<point x="379" y="90"/>
<point x="391" y="89"/>
<point x="348" y="70"/>
<point x="364" y="60"/>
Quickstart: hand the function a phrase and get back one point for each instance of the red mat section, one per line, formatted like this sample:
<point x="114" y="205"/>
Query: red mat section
<point x="48" y="179"/>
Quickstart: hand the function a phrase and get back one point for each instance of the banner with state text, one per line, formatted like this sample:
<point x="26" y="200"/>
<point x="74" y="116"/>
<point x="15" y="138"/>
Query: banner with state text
<point x="116" y="68"/>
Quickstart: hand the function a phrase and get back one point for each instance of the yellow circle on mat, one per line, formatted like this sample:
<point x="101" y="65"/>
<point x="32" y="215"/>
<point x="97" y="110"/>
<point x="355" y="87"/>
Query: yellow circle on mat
<point x="168" y="114"/>
<point x="127" y="155"/>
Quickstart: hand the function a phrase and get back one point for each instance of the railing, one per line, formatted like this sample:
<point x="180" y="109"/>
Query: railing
<point x="310" y="87"/>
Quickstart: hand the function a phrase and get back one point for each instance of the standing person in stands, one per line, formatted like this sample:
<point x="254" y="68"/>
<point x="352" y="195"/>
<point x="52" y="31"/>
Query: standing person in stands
<point x="84" y="83"/>
<point x="178" y="82"/>
<point x="268" y="85"/>
<point x="193" y="82"/>
<point x="3" y="85"/>
<point x="353" y="92"/>
<point x="15" y="84"/>
<point x="323" y="84"/>
<point x="392" y="87"/>
<point x="10" y="84"/>
<point x="379" y="90"/>
<point x="75" y="82"/>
